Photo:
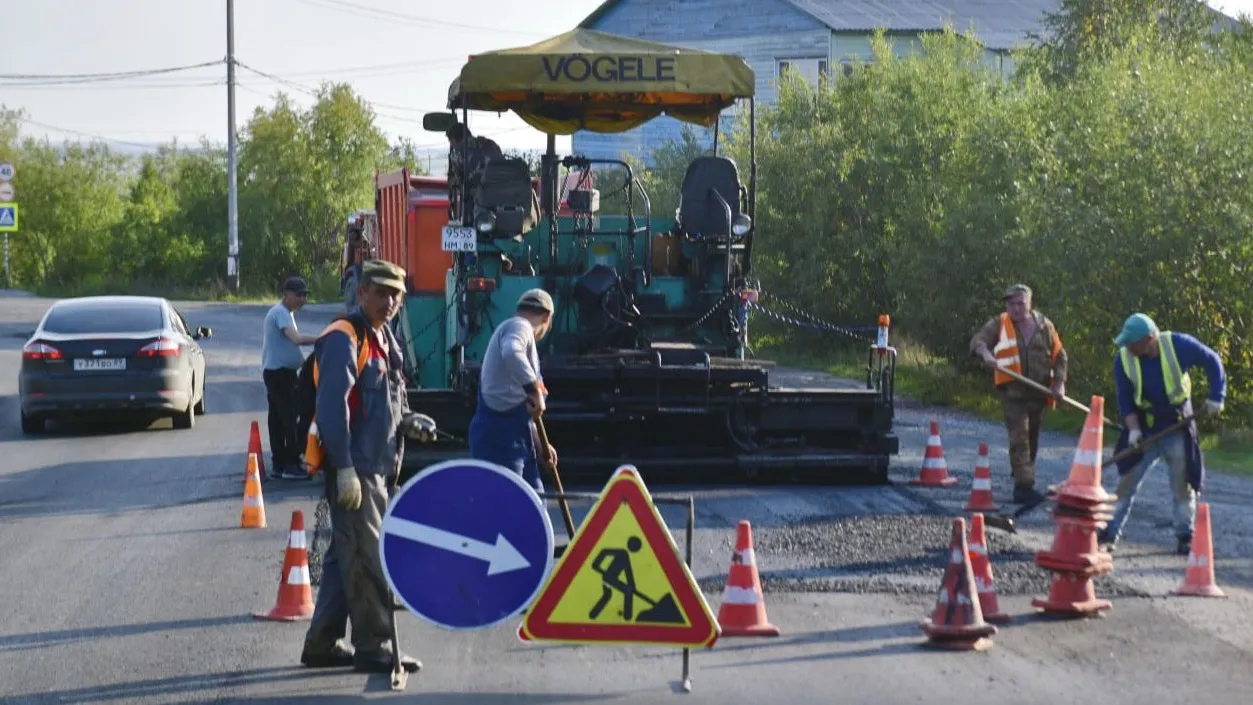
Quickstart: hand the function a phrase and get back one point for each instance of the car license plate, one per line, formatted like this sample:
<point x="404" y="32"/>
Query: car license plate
<point x="100" y="364"/>
<point x="458" y="239"/>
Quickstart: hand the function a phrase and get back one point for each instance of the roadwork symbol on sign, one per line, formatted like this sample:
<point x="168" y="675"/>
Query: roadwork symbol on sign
<point x="8" y="217"/>
<point x="466" y="544"/>
<point x="621" y="580"/>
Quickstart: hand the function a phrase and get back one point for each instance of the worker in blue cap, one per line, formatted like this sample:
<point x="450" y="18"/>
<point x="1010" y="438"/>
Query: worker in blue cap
<point x="1155" y="393"/>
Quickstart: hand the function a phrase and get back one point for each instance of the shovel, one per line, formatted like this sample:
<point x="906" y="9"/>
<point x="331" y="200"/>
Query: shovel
<point x="551" y="466"/>
<point x="1006" y="523"/>
<point x="1045" y="390"/>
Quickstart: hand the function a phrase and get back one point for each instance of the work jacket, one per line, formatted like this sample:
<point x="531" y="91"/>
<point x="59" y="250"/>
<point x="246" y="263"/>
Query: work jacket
<point x="1042" y="359"/>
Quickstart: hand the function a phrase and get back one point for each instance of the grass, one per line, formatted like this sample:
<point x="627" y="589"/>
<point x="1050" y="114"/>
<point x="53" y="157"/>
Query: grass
<point x="322" y="289"/>
<point x="933" y="381"/>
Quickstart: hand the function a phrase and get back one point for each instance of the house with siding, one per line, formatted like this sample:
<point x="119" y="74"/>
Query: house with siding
<point x="811" y="37"/>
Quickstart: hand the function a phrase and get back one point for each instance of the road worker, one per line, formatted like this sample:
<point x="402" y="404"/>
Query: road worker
<point x="362" y="422"/>
<point x="470" y="166"/>
<point x="1024" y="341"/>
<point x="1154" y="393"/>
<point x="511" y="391"/>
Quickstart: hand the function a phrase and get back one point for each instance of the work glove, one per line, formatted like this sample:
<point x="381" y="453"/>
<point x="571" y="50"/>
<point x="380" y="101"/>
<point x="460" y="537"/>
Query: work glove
<point x="1133" y="437"/>
<point x="349" y="488"/>
<point x="1213" y="408"/>
<point x="418" y="427"/>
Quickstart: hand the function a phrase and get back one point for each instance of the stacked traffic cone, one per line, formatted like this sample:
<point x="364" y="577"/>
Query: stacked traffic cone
<point x="253" y="516"/>
<point x="1082" y="508"/>
<point x="957" y="622"/>
<point x="934" y="469"/>
<point x="981" y="487"/>
<point x="981" y="565"/>
<point x="295" y="595"/>
<point x="1198" y="580"/>
<point x="743" y="609"/>
<point x="254" y="447"/>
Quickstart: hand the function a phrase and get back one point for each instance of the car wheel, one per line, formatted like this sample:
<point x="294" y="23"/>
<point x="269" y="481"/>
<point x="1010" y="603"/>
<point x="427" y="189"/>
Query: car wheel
<point x="199" y="409"/>
<point x="32" y="424"/>
<point x="187" y="419"/>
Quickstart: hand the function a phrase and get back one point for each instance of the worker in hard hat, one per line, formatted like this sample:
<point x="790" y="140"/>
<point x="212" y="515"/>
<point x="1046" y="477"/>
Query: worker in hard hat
<point x="1154" y="394"/>
<point x="511" y="391"/>
<point x="1023" y="340"/>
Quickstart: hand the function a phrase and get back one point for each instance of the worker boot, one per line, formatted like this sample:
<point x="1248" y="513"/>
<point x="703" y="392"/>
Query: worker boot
<point x="340" y="656"/>
<point x="1184" y="547"/>
<point x="381" y="662"/>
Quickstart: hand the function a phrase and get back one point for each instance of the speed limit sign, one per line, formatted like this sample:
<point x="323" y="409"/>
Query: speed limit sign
<point x="7" y="172"/>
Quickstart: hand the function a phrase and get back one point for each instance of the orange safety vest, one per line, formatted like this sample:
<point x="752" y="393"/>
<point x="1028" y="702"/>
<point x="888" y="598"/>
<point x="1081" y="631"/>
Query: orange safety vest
<point x="1007" y="355"/>
<point x="315" y="454"/>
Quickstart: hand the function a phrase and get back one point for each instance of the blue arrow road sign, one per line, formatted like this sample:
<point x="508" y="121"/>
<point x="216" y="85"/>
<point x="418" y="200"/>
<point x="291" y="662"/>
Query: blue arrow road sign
<point x="466" y="544"/>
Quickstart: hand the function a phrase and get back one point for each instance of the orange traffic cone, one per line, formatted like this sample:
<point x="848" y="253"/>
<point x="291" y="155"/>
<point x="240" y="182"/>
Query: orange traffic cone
<point x="254" y="447"/>
<point x="957" y="622"/>
<point x="253" y="516"/>
<point x="295" y="595"/>
<point x="981" y="565"/>
<point x="743" y="609"/>
<point x="981" y="487"/>
<point x="1083" y="487"/>
<point x="934" y="469"/>
<point x="1198" y="580"/>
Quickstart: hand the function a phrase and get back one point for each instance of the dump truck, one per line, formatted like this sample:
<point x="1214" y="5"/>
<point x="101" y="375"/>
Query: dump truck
<point x="646" y="360"/>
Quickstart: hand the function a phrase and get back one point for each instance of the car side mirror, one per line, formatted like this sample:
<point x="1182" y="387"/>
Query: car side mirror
<point x="203" y="332"/>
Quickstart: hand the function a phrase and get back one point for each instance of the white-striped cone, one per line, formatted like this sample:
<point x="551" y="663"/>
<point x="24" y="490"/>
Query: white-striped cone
<point x="981" y="486"/>
<point x="295" y="593"/>
<point x="934" y="469"/>
<point x="743" y="609"/>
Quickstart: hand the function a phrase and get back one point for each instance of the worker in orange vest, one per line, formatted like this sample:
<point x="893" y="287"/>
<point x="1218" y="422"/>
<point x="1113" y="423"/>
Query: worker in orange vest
<point x="1023" y="340"/>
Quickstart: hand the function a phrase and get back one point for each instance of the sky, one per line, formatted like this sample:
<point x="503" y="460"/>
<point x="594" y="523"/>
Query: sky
<point x="400" y="56"/>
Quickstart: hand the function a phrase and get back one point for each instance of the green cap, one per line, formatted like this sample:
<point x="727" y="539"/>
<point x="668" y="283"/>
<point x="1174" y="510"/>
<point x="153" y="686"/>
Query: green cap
<point x="1137" y="327"/>
<point x="383" y="273"/>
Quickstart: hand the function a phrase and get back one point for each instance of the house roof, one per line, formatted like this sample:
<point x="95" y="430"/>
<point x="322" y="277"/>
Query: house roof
<point x="998" y="24"/>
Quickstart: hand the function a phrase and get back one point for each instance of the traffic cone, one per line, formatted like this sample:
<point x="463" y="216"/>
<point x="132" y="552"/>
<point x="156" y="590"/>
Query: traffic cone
<point x="981" y="487"/>
<point x="1071" y="595"/>
<point x="743" y="609"/>
<point x="254" y="447"/>
<point x="1198" y="579"/>
<point x="295" y="595"/>
<point x="253" y="516"/>
<point x="957" y="622"/>
<point x="981" y="565"/>
<point x="1083" y="487"/>
<point x="934" y="469"/>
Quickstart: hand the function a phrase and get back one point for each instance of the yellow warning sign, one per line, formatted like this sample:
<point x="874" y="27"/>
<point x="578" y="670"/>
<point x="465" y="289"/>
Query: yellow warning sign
<point x="621" y="580"/>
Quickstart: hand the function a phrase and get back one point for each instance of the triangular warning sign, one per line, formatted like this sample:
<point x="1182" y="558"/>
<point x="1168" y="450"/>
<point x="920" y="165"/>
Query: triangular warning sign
<point x="621" y="580"/>
<point x="8" y="216"/>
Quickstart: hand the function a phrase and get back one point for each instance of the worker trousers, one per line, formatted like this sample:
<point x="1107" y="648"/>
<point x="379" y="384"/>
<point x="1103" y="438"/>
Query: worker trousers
<point x="1172" y="452"/>
<point x="353" y="586"/>
<point x="1022" y="420"/>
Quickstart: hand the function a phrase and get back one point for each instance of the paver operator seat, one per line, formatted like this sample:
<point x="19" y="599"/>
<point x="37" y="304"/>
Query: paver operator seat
<point x="712" y="200"/>
<point x="506" y="204"/>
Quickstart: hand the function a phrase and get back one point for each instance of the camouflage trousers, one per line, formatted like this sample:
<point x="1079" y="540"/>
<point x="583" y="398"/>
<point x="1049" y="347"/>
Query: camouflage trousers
<point x="1022" y="421"/>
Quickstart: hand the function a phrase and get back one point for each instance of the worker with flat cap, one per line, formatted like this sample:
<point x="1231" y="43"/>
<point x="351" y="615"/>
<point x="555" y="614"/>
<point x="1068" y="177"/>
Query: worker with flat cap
<point x="1155" y="393"/>
<point x="511" y="391"/>
<point x="1024" y="341"/>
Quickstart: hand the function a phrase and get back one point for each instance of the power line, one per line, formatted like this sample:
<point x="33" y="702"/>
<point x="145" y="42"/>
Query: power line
<point x="106" y="76"/>
<point x="70" y="131"/>
<point x="404" y="18"/>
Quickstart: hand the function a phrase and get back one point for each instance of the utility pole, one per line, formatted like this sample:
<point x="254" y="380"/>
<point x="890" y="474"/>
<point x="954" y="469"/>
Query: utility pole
<point x="232" y="185"/>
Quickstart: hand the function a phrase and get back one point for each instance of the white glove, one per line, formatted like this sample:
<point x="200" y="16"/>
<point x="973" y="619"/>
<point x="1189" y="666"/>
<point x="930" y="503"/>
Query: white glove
<point x="349" y="488"/>
<point x="1213" y="408"/>
<point x="1133" y="438"/>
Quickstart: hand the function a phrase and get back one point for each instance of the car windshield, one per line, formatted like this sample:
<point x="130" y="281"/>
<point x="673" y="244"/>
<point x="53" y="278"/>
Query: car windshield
<point x="95" y="317"/>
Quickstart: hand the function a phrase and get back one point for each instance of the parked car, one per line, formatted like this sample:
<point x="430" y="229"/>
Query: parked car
<point x="110" y="354"/>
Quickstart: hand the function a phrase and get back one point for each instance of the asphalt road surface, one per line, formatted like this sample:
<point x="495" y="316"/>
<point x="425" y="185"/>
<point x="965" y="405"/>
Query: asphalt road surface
<point x="125" y="579"/>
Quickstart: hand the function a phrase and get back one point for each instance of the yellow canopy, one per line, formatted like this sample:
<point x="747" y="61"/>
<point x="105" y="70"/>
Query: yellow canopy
<point x="586" y="80"/>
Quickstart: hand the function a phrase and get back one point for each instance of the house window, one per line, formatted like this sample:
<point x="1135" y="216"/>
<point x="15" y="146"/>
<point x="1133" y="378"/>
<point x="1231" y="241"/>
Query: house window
<point x="812" y="70"/>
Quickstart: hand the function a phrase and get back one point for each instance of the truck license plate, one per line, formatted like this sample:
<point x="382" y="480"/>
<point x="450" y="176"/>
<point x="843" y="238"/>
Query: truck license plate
<point x="458" y="239"/>
<point x="93" y="365"/>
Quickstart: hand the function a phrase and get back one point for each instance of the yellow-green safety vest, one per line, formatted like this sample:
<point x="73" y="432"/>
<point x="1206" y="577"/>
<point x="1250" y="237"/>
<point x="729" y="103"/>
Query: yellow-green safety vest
<point x="1178" y="383"/>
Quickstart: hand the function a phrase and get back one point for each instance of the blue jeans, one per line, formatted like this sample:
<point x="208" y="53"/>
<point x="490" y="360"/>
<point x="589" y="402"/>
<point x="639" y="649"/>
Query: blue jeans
<point x="506" y="438"/>
<point x="1172" y="453"/>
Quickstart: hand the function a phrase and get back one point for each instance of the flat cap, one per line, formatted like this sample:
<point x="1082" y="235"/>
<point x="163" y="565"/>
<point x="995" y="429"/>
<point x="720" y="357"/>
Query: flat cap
<point x="383" y="273"/>
<point x="537" y="298"/>
<point x="296" y="285"/>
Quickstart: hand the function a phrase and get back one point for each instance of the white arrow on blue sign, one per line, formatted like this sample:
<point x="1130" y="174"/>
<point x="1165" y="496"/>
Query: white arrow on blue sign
<point x="466" y="544"/>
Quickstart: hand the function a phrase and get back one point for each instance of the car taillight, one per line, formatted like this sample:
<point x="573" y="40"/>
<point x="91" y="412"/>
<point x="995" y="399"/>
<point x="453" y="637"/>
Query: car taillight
<point x="160" y="348"/>
<point x="39" y="350"/>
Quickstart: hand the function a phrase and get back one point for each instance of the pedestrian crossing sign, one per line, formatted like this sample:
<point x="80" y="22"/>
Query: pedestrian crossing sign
<point x="8" y="217"/>
<point x="621" y="580"/>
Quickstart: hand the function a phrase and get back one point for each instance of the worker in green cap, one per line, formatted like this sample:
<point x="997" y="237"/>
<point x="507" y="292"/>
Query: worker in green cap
<point x="1154" y="393"/>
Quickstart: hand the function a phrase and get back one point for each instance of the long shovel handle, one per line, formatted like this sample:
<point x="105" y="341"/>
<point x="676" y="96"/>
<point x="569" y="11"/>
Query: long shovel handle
<point x="552" y="468"/>
<point x="1045" y="390"/>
